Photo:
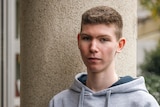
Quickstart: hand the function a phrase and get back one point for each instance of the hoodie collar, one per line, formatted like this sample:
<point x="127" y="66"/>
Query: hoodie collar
<point x="119" y="87"/>
<point x="124" y="85"/>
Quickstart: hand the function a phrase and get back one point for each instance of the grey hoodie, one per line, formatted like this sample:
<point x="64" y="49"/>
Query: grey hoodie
<point x="128" y="93"/>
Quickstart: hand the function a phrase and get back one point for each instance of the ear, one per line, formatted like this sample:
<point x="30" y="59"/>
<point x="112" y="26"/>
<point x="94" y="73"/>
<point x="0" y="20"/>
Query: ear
<point x="121" y="44"/>
<point x="78" y="38"/>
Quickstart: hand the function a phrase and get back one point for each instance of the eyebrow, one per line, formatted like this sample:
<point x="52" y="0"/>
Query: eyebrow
<point x="84" y="34"/>
<point x="103" y="35"/>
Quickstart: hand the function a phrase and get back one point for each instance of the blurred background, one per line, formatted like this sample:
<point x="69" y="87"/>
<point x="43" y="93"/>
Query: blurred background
<point x="148" y="49"/>
<point x="148" y="45"/>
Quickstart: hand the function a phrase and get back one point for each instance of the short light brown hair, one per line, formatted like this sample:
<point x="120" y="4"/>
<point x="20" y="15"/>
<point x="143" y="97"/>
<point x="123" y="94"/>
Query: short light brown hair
<point x="103" y="15"/>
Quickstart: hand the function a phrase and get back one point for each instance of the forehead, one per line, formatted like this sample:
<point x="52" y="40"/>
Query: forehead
<point x="98" y="29"/>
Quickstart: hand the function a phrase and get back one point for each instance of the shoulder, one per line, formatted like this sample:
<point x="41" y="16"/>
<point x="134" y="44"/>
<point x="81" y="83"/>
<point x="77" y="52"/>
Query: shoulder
<point x="145" y="99"/>
<point x="62" y="94"/>
<point x="57" y="99"/>
<point x="150" y="100"/>
<point x="63" y="98"/>
<point x="65" y="94"/>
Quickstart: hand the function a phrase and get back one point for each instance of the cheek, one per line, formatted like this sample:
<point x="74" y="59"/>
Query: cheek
<point x="83" y="49"/>
<point x="109" y="51"/>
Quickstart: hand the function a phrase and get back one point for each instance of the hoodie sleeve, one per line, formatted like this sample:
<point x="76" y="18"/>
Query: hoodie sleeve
<point x="51" y="103"/>
<point x="150" y="102"/>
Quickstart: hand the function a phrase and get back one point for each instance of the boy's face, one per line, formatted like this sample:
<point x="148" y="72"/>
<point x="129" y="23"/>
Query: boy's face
<point x="98" y="46"/>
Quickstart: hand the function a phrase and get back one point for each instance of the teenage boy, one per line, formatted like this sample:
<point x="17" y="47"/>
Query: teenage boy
<point x="99" y="41"/>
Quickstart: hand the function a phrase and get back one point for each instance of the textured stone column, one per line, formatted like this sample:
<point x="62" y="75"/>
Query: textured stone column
<point x="49" y="54"/>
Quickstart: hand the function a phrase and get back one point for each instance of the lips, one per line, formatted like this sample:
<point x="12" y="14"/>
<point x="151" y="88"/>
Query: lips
<point x="93" y="59"/>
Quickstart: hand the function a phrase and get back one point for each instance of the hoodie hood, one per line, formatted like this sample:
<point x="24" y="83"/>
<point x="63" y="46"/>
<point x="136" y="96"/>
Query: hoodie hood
<point x="127" y="92"/>
<point x="102" y="98"/>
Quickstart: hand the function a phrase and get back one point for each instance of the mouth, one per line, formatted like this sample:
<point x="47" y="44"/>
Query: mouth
<point x="94" y="59"/>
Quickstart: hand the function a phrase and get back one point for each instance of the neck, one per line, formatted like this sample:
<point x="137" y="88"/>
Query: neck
<point x="100" y="81"/>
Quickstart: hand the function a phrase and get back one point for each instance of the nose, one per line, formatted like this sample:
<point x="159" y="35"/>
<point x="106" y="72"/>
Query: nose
<point x="93" y="47"/>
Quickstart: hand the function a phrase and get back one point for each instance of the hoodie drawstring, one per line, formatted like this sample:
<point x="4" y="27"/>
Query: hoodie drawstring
<point x="108" y="95"/>
<point x="81" y="98"/>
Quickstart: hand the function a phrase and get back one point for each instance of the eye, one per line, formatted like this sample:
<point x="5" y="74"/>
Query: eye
<point x="86" y="38"/>
<point x="103" y="40"/>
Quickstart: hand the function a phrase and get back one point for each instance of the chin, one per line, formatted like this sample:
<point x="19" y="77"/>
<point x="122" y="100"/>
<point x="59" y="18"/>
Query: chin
<point x="94" y="69"/>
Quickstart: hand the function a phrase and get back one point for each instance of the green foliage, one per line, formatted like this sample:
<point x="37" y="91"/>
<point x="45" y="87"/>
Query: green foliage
<point x="152" y="61"/>
<point x="153" y="6"/>
<point x="151" y="71"/>
<point x="153" y="85"/>
<point x="151" y="66"/>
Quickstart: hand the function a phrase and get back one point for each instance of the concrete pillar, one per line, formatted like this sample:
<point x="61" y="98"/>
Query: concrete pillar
<point x="49" y="54"/>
